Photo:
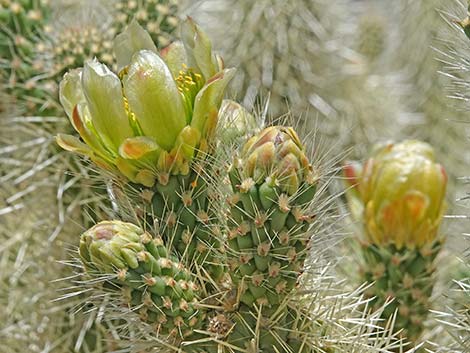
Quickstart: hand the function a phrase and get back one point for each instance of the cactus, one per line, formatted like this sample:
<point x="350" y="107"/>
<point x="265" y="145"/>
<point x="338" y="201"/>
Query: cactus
<point x="163" y="159"/>
<point x="158" y="17"/>
<point x="456" y="314"/>
<point x="79" y="34"/>
<point x="122" y="258"/>
<point x="328" y="82"/>
<point x="151" y="280"/>
<point x="273" y="185"/>
<point x="24" y="23"/>
<point x="268" y="55"/>
<point x="167" y="155"/>
<point x="457" y="317"/>
<point x="35" y="50"/>
<point x="38" y="48"/>
<point x="398" y="196"/>
<point x="39" y="238"/>
<point x="161" y="290"/>
<point x="85" y="32"/>
<point x="224" y="258"/>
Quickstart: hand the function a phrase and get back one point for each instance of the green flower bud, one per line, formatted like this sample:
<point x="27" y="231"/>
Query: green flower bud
<point x="235" y="121"/>
<point x="277" y="153"/>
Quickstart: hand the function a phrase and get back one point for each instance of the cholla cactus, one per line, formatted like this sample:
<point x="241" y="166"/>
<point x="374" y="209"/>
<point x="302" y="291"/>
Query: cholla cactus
<point x="158" y="17"/>
<point x="180" y="292"/>
<point x="273" y="185"/>
<point x="439" y="121"/>
<point x="152" y="280"/>
<point x="155" y="285"/>
<point x="23" y="24"/>
<point x="329" y="81"/>
<point x="80" y="33"/>
<point x="268" y="55"/>
<point x="46" y="234"/>
<point x="38" y="48"/>
<point x="164" y="156"/>
<point x="456" y="315"/>
<point x="398" y="196"/>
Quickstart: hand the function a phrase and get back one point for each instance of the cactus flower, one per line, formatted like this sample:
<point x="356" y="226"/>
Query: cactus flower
<point x="152" y="118"/>
<point x="235" y="122"/>
<point x="399" y="194"/>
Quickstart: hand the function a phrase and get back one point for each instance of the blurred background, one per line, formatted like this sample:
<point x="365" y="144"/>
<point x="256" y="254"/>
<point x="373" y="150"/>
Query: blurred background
<point x="353" y="72"/>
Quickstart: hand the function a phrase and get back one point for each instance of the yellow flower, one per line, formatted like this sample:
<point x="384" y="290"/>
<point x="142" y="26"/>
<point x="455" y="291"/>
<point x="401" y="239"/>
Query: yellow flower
<point x="150" y="119"/>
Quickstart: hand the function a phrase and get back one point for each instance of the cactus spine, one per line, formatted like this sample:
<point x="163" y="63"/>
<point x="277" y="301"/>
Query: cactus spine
<point x="456" y="315"/>
<point x="439" y="120"/>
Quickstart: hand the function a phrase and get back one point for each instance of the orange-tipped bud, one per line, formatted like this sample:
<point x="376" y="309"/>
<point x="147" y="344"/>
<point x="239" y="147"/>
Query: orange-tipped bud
<point x="400" y="191"/>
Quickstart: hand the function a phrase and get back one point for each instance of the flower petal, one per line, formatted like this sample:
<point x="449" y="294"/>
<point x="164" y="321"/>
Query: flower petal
<point x="187" y="141"/>
<point x="209" y="98"/>
<point x="199" y="49"/>
<point x="175" y="57"/>
<point x="71" y="92"/>
<point x="103" y="93"/>
<point x="133" y="39"/>
<point x="84" y="125"/>
<point x="73" y="144"/>
<point x="137" y="147"/>
<point x="154" y="98"/>
<point x="127" y="168"/>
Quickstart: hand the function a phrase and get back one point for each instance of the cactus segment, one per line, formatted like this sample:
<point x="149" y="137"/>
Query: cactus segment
<point x="273" y="184"/>
<point x="153" y="283"/>
<point x="398" y="196"/>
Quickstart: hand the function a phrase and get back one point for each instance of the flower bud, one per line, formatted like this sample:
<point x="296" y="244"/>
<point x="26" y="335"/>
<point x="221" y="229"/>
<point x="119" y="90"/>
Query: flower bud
<point x="401" y="191"/>
<point x="278" y="154"/>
